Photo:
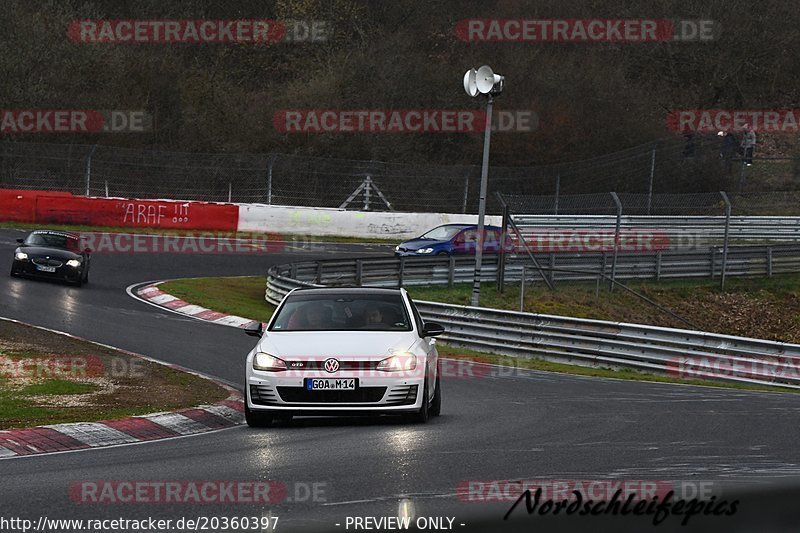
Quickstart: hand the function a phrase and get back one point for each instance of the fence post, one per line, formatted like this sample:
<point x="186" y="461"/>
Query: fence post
<point x="522" y="290"/>
<point x="466" y="191"/>
<point x="652" y="173"/>
<point x="230" y="191"/>
<point x="558" y="191"/>
<point x="501" y="258"/>
<point x="89" y="168"/>
<point x="269" y="177"/>
<point x="616" y="240"/>
<point x="725" y="238"/>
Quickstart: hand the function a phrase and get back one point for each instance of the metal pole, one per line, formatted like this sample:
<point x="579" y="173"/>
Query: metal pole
<point x="725" y="238"/>
<point x="522" y="290"/>
<point x="367" y="186"/>
<point x="89" y="169"/>
<point x="501" y="258"/>
<point x="652" y="173"/>
<point x="476" y="284"/>
<point x="466" y="192"/>
<point x="230" y="191"/>
<point x="741" y="175"/>
<point x="269" y="178"/>
<point x="616" y="240"/>
<point x="558" y="189"/>
<point x="106" y="188"/>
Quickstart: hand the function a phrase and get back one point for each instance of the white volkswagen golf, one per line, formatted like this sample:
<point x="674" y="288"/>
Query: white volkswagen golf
<point x="343" y="351"/>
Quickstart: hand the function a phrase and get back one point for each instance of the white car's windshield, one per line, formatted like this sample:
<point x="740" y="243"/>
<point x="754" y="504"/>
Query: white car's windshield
<point x="343" y="312"/>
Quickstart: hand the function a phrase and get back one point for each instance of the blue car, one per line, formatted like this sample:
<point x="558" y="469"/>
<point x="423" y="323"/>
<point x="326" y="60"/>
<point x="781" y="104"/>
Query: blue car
<point x="451" y="239"/>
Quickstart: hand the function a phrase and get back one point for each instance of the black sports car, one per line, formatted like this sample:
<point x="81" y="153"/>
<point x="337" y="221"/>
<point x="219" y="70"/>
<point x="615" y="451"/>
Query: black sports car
<point x="53" y="255"/>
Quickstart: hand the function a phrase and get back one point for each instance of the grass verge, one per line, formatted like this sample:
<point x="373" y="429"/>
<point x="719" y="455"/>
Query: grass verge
<point x="46" y="378"/>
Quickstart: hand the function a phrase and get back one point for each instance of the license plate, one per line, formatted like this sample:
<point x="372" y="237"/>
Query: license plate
<point x="331" y="384"/>
<point x="45" y="268"/>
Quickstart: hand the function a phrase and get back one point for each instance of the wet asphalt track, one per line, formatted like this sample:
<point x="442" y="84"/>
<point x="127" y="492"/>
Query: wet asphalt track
<point x="520" y="426"/>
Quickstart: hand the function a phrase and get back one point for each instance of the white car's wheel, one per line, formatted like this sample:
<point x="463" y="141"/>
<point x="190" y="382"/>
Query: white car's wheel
<point x="256" y="420"/>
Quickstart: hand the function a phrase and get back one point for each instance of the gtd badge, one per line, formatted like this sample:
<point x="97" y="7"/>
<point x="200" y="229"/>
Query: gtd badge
<point x="331" y="365"/>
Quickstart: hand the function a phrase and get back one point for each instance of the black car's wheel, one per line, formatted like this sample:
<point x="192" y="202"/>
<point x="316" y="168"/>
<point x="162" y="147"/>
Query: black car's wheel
<point x="13" y="273"/>
<point x="86" y="276"/>
<point x="256" y="420"/>
<point x="436" y="404"/>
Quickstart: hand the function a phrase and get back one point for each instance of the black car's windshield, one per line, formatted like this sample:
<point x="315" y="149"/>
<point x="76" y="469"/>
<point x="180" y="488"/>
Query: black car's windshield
<point x="343" y="312"/>
<point x="443" y="233"/>
<point x="53" y="240"/>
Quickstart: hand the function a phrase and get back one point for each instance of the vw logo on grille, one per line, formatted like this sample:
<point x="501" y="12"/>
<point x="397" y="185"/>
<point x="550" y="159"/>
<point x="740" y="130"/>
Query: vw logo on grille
<point x="331" y="365"/>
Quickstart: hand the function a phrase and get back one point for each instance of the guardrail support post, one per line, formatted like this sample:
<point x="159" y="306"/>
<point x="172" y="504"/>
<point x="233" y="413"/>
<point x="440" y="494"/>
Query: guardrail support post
<point x="725" y="239"/>
<point x="318" y="277"/>
<point x="616" y="240"/>
<point x="658" y="266"/>
<point x="401" y="272"/>
<point x="713" y="261"/>
<point x="769" y="261"/>
<point x="359" y="271"/>
<point x="451" y="271"/>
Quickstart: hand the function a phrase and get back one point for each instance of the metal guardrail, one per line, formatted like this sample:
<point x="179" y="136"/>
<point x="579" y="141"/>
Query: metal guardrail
<point x="682" y="231"/>
<point x="561" y="266"/>
<point x="682" y="353"/>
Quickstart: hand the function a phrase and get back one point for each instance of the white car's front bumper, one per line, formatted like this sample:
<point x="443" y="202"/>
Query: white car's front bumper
<point x="272" y="391"/>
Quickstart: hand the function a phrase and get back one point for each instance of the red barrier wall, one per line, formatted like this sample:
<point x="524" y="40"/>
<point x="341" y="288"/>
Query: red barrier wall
<point x="45" y="207"/>
<point x="19" y="205"/>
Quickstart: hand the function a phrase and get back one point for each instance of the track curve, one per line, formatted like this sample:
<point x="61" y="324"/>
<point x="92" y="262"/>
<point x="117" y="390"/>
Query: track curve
<point x="501" y="426"/>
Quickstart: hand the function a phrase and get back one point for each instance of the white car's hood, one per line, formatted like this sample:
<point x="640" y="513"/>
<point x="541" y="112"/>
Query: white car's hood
<point x="343" y="344"/>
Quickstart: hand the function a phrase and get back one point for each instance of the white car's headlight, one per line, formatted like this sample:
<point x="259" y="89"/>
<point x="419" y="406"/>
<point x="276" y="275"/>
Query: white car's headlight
<point x="424" y="250"/>
<point x="270" y="363"/>
<point x="74" y="263"/>
<point x="398" y="363"/>
<point x="20" y="256"/>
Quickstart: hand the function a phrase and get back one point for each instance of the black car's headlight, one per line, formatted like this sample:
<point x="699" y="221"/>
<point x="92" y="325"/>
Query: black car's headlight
<point x="20" y="256"/>
<point x="425" y="250"/>
<point x="74" y="263"/>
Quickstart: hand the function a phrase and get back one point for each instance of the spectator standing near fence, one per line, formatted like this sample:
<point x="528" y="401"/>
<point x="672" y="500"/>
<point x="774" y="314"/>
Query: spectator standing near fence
<point x="748" y="144"/>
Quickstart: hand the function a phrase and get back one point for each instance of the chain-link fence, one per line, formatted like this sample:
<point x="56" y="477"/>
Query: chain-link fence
<point x="654" y="236"/>
<point x="675" y="165"/>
